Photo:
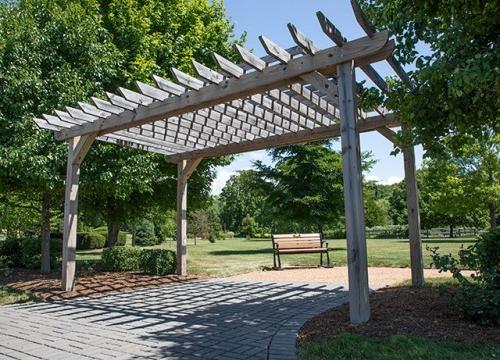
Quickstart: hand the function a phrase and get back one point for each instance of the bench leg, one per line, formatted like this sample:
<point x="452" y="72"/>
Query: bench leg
<point x="274" y="259"/>
<point x="321" y="259"/>
<point x="328" y="259"/>
<point x="279" y="261"/>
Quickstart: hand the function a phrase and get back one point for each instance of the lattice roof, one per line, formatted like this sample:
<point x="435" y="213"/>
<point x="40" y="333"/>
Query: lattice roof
<point x="289" y="96"/>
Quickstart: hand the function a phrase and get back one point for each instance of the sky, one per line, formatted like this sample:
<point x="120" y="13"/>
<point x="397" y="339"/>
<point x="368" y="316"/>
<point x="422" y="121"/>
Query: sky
<point x="270" y="18"/>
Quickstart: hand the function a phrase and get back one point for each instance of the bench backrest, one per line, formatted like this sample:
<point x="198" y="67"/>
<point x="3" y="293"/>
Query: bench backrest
<point x="297" y="241"/>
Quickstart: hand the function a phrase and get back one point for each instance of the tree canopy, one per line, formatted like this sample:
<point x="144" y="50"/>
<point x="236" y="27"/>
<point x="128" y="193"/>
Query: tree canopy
<point x="56" y="53"/>
<point x="457" y="83"/>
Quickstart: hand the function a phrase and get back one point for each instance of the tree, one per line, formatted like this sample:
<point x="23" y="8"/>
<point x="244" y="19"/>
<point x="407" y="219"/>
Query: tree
<point x="244" y="195"/>
<point x="376" y="205"/>
<point x="248" y="226"/>
<point x="456" y="85"/>
<point x="56" y="53"/>
<point x="305" y="184"/>
<point x="451" y="196"/>
<point x="51" y="53"/>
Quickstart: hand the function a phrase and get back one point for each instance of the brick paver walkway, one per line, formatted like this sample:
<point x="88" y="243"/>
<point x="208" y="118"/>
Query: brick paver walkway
<point x="209" y="319"/>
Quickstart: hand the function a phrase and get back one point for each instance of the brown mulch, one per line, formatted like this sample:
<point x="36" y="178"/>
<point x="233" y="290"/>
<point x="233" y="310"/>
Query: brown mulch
<point x="48" y="287"/>
<point x="401" y="311"/>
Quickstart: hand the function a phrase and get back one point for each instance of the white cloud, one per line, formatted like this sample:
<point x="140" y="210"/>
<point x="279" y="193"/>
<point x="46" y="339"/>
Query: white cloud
<point x="388" y="181"/>
<point x="220" y="180"/>
<point x="392" y="180"/>
<point x="257" y="155"/>
<point x="372" y="178"/>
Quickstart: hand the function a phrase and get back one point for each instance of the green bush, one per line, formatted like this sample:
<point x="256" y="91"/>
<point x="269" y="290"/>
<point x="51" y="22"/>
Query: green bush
<point x="10" y="251"/>
<point x="157" y="261"/>
<point x="31" y="252"/>
<point x="478" y="297"/>
<point x="229" y="235"/>
<point x="103" y="231"/>
<point x="121" y="258"/>
<point x="334" y="234"/>
<point x="145" y="234"/>
<point x="90" y="241"/>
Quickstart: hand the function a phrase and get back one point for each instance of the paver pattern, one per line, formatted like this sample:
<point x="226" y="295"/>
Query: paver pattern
<point x="209" y="319"/>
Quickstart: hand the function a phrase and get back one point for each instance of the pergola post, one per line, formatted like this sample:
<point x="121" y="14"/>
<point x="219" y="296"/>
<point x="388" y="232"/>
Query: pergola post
<point x="416" y="259"/>
<point x="77" y="149"/>
<point x="184" y="170"/>
<point x="359" y="306"/>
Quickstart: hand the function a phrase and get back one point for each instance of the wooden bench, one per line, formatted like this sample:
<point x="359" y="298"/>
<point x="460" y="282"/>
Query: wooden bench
<point x="299" y="244"/>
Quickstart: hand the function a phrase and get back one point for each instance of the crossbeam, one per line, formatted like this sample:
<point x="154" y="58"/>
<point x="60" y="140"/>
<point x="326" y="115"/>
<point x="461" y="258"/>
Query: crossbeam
<point x="363" y="50"/>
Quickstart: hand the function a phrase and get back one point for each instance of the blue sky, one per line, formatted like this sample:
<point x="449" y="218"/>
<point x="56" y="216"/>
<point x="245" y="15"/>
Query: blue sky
<point x="270" y="18"/>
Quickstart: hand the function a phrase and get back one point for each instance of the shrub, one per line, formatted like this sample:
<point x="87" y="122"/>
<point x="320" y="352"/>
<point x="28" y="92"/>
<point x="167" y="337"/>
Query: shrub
<point x="248" y="226"/>
<point x="10" y="251"/>
<point x="157" y="261"/>
<point x="477" y="298"/>
<point x="103" y="231"/>
<point x="31" y="252"/>
<point x="145" y="234"/>
<point x="121" y="258"/>
<point x="89" y="241"/>
<point x="229" y="235"/>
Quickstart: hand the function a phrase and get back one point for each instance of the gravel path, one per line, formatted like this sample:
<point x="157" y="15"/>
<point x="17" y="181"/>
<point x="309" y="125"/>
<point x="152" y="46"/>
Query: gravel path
<point x="378" y="276"/>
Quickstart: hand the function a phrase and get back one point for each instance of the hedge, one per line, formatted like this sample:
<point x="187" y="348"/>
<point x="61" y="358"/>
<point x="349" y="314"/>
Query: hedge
<point x="28" y="253"/>
<point x="149" y="261"/>
<point x="121" y="258"/>
<point x="157" y="261"/>
<point x="90" y="241"/>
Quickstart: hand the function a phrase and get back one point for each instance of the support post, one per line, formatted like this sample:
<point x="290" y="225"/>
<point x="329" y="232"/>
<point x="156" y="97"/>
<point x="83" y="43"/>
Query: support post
<point x="416" y="259"/>
<point x="359" y="306"/>
<point x="184" y="170"/>
<point x="77" y="149"/>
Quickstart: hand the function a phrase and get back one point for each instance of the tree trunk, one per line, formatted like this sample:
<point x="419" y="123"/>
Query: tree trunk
<point x="45" y="268"/>
<point x="493" y="215"/>
<point x="113" y="230"/>
<point x="451" y="231"/>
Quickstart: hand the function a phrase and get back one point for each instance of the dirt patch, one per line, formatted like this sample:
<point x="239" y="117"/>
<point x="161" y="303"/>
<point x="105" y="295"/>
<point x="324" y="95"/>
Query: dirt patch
<point x="401" y="311"/>
<point x="48" y="287"/>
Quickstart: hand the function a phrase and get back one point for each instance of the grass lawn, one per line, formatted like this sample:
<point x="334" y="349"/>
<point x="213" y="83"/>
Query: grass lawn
<point x="355" y="347"/>
<point x="229" y="257"/>
<point x="12" y="296"/>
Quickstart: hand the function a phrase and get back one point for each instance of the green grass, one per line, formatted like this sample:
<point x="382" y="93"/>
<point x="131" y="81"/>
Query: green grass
<point x="12" y="296"/>
<point x="229" y="257"/>
<point x="354" y="347"/>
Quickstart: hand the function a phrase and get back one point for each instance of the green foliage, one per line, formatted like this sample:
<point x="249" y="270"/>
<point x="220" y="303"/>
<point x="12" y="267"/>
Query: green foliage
<point x="103" y="231"/>
<point x="456" y="85"/>
<point x="30" y="252"/>
<point x="242" y="195"/>
<point x="205" y="224"/>
<point x="478" y="297"/>
<point x="248" y="226"/>
<point x="305" y="185"/>
<point x="145" y="234"/>
<point x="10" y="251"/>
<point x="121" y="258"/>
<point x="376" y="207"/>
<point x="157" y="261"/>
<point x="55" y="53"/>
<point x="90" y="240"/>
<point x="10" y="295"/>
<point x="149" y="261"/>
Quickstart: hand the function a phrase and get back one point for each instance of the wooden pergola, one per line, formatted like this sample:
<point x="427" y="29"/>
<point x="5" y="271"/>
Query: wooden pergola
<point x="290" y="96"/>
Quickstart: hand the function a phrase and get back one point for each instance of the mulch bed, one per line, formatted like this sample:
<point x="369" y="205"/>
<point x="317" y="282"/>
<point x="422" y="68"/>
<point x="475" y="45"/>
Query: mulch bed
<point x="401" y="311"/>
<point x="48" y="287"/>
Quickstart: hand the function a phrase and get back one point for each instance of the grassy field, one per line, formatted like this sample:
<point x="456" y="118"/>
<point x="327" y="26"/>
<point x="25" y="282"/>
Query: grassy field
<point x="353" y="347"/>
<point x="229" y="257"/>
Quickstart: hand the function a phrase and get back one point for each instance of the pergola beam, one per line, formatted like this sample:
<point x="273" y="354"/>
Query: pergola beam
<point x="320" y="133"/>
<point x="364" y="50"/>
